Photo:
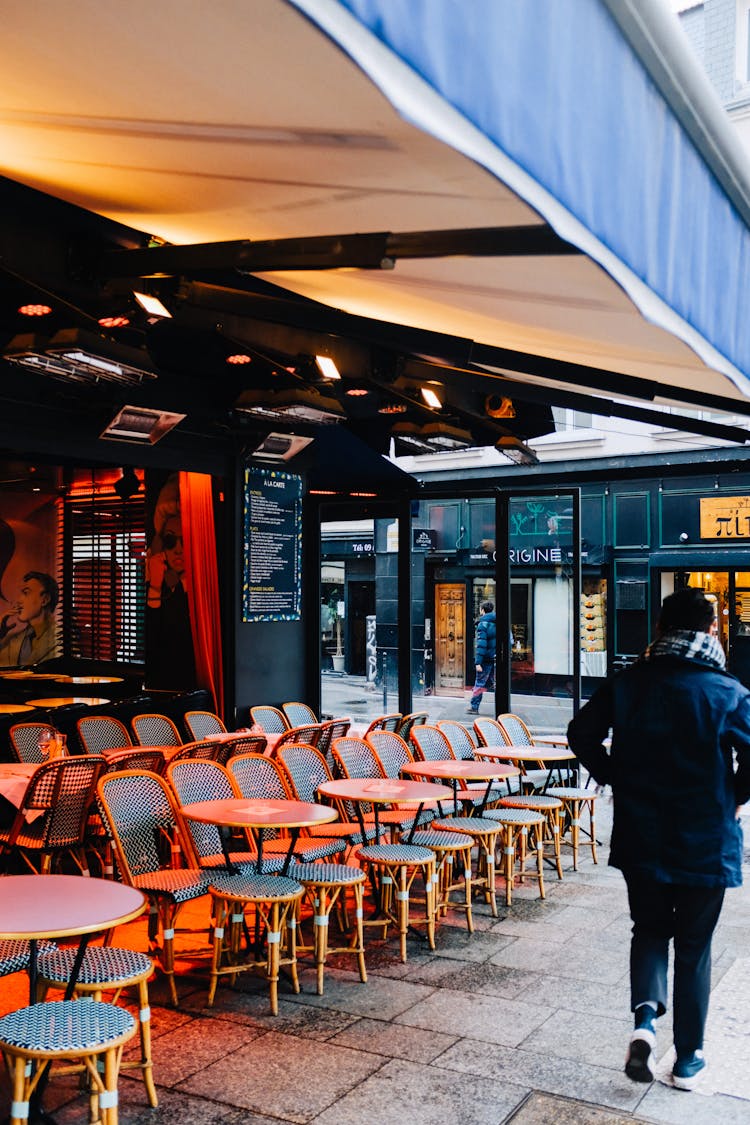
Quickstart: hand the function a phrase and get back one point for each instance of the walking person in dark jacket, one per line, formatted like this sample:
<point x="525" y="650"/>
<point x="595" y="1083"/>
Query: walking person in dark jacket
<point x="678" y="720"/>
<point x="484" y="655"/>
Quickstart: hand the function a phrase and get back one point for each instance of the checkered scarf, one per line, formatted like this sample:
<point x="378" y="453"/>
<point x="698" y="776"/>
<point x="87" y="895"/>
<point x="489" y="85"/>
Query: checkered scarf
<point x="690" y="646"/>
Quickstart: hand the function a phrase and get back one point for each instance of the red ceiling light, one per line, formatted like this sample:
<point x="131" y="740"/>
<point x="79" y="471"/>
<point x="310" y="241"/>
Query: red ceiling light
<point x="35" y="310"/>
<point x="238" y="359"/>
<point x="357" y="392"/>
<point x="392" y="408"/>
<point x="114" y="321"/>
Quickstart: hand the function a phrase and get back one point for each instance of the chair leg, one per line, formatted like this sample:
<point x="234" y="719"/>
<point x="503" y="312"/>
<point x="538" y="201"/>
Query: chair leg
<point x="539" y="841"/>
<point x="554" y="816"/>
<point x="220" y="912"/>
<point x="575" y="823"/>
<point x="19" y="1110"/>
<point x="359" y="930"/>
<point x="592" y="826"/>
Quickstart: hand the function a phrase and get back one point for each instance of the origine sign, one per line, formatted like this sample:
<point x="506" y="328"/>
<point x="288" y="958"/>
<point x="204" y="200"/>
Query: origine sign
<point x="725" y="517"/>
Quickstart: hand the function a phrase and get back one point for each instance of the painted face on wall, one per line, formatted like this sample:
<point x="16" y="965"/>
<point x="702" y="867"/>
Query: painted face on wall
<point x="171" y="538"/>
<point x="32" y="602"/>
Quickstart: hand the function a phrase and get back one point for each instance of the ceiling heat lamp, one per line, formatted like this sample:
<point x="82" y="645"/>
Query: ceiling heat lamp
<point x="74" y="355"/>
<point x="436" y="437"/>
<point x="140" y="425"/>
<point x="303" y="404"/>
<point x="516" y="451"/>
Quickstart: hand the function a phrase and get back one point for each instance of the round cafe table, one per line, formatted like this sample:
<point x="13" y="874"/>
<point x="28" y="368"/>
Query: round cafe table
<point x="90" y="679"/>
<point x="66" y="700"/>
<point x="463" y="771"/>
<point x="33" y="907"/>
<point x="549" y="758"/>
<point x="260" y="814"/>
<point x="15" y="708"/>
<point x="383" y="791"/>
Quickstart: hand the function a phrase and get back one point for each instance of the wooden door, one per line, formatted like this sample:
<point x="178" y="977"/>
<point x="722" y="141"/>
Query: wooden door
<point x="450" y="638"/>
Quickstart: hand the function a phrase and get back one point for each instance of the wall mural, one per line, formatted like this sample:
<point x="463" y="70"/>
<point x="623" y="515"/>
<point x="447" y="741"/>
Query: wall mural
<point x="170" y="659"/>
<point x="29" y="590"/>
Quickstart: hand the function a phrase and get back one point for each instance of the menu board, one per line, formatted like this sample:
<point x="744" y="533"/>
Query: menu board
<point x="272" y="586"/>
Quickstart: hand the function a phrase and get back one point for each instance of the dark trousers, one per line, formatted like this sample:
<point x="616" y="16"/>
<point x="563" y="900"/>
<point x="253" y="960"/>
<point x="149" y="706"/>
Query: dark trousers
<point x="484" y="681"/>
<point x="661" y="911"/>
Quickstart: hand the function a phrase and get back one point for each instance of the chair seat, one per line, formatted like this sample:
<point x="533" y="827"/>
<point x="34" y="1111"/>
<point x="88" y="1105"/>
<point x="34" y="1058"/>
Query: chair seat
<point x="474" y="825"/>
<point x="572" y="793"/>
<point x="272" y="863"/>
<point x="254" y="886"/>
<point x="180" y="885"/>
<point x="307" y="848"/>
<point x="102" y="964"/>
<point x="516" y="816"/>
<point x="531" y="801"/>
<point x="433" y="839"/>
<point x="62" y="1027"/>
<point x="337" y="874"/>
<point x="14" y="955"/>
<point x="396" y="853"/>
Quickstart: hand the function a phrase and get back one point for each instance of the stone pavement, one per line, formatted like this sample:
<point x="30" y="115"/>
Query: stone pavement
<point x="526" y="1021"/>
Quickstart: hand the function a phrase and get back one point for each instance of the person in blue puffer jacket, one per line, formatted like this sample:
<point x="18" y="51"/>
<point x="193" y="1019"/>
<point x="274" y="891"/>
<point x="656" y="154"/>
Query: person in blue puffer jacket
<point x="679" y="767"/>
<point x="484" y="656"/>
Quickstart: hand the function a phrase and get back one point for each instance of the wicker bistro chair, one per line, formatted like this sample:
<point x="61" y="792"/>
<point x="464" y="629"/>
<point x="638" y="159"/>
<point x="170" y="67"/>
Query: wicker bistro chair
<point x="550" y="807"/>
<point x="307" y="735"/>
<point x="269" y="719"/>
<point x="453" y="871"/>
<point x="394" y="867"/>
<point x="490" y="732"/>
<point x="15" y="955"/>
<point x="137" y="758"/>
<point x="484" y="833"/>
<point x="24" y="740"/>
<point x="304" y="770"/>
<point x="518" y="734"/>
<point x="391" y="721"/>
<point x="200" y="724"/>
<point x="53" y="815"/>
<point x="574" y="801"/>
<point x="55" y="1030"/>
<point x="408" y="722"/>
<point x="391" y="751"/>
<point x="209" y="749"/>
<point x="155" y="730"/>
<point x="326" y="884"/>
<point x="356" y="758"/>
<point x="200" y="779"/>
<point x="299" y="714"/>
<point x="141" y="819"/>
<point x="274" y="900"/>
<point x="461" y="740"/>
<point x="106" y="968"/>
<point x="102" y="732"/>
<point x="258" y="776"/>
<point x="330" y="730"/>
<point x="242" y="744"/>
<point x="515" y="825"/>
<point x="431" y="744"/>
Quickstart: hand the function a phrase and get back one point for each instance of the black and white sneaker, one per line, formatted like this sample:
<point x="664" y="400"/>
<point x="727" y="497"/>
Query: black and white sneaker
<point x="639" y="1064"/>
<point x="688" y="1071"/>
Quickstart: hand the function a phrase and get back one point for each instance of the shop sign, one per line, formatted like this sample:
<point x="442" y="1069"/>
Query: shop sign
<point x="424" y="539"/>
<point x="725" y="517"/>
<point x="525" y="556"/>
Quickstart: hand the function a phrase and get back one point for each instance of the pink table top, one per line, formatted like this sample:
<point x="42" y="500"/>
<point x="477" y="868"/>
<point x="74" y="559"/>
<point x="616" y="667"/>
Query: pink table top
<point x="14" y="777"/>
<point x="525" y="753"/>
<point x="383" y="791"/>
<point x="461" y="770"/>
<point x="244" y="812"/>
<point x="63" y="905"/>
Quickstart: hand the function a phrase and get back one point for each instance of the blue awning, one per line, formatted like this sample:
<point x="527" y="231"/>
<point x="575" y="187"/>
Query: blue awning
<point x="587" y="119"/>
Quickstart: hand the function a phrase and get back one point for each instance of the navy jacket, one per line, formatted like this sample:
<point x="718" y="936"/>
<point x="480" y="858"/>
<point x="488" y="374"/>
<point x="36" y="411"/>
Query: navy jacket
<point x="678" y="767"/>
<point x="484" y="640"/>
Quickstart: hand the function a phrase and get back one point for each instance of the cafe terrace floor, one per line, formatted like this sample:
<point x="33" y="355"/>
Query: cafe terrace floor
<point x="526" y="1021"/>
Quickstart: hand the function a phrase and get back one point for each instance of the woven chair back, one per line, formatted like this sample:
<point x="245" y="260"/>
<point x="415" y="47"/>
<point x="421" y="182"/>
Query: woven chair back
<point x="490" y="733"/>
<point x="209" y="751"/>
<point x="299" y="714"/>
<point x="386" y="722"/>
<point x="102" y="732"/>
<point x="155" y="730"/>
<point x="201" y="780"/>
<point x="139" y="758"/>
<point x="430" y="744"/>
<point x="391" y="751"/>
<point x="200" y="724"/>
<point x="63" y="790"/>
<point x="139" y="814"/>
<point x="515" y="729"/>
<point x="460" y="737"/>
<point x="24" y="740"/>
<point x="243" y="744"/>
<point x="305" y="769"/>
<point x="408" y="722"/>
<point x="307" y="735"/>
<point x="269" y="719"/>
<point x="258" y="776"/>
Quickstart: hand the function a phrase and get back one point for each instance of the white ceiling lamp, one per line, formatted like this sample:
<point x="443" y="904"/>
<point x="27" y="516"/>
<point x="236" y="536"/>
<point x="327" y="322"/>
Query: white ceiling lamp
<point x="141" y="425"/>
<point x="327" y="367"/>
<point x="431" y="397"/>
<point x="152" y="305"/>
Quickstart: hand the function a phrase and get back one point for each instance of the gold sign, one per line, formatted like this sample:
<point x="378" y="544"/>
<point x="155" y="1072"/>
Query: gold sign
<point x="725" y="517"/>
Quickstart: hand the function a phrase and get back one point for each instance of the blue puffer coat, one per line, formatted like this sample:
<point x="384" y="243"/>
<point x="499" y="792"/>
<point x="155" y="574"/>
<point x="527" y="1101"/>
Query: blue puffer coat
<point x="484" y="640"/>
<point x="678" y="726"/>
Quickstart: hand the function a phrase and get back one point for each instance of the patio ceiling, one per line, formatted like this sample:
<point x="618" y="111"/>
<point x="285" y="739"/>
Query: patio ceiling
<point x="235" y="151"/>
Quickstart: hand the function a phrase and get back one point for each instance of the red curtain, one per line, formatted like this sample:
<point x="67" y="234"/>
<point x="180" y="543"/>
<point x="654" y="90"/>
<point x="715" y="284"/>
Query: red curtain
<point x="202" y="582"/>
